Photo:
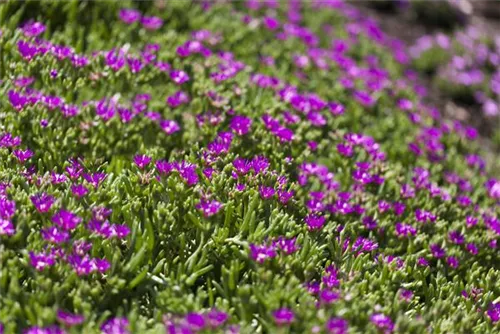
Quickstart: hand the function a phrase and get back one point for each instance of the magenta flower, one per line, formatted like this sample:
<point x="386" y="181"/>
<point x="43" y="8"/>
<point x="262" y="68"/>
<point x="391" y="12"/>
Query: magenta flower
<point x="55" y="235"/>
<point x="116" y="326"/>
<point x="22" y="155"/>
<point x="177" y="99"/>
<point x="129" y="16"/>
<point x="328" y="296"/>
<point x="405" y="294"/>
<point x="209" y="208"/>
<point x="40" y="261"/>
<point x="266" y="192"/>
<point x="285" y="196"/>
<point x="42" y="202"/>
<point x="195" y="321"/>
<point x="179" y="76"/>
<point x="242" y="166"/>
<point x="84" y="265"/>
<point x="79" y="190"/>
<point x="141" y="161"/>
<point x="493" y="312"/>
<point x="216" y="318"/>
<point x="169" y="126"/>
<point x="70" y="319"/>
<point x="44" y="330"/>
<point x="472" y="248"/>
<point x="108" y="230"/>
<point x="6" y="227"/>
<point x="314" y="222"/>
<point x="7" y="208"/>
<point x="66" y="219"/>
<point x="261" y="253"/>
<point x="437" y="251"/>
<point x="57" y="178"/>
<point x="115" y="59"/>
<point x="337" y="326"/>
<point x="382" y="322"/>
<point x="151" y="22"/>
<point x="456" y="237"/>
<point x="94" y="179"/>
<point x="288" y="246"/>
<point x="405" y="230"/>
<point x="240" y="125"/>
<point x="422" y="262"/>
<point x="283" y="316"/>
<point x="452" y="262"/>
<point x="425" y="216"/>
<point x="33" y="29"/>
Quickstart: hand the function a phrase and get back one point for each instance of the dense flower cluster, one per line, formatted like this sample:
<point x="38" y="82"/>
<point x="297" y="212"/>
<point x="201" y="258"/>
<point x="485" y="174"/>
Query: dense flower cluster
<point x="275" y="168"/>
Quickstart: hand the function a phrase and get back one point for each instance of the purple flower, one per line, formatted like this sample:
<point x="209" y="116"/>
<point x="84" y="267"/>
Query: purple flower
<point x="42" y="202"/>
<point x="129" y="16"/>
<point x="108" y="230"/>
<point x="242" y="166"/>
<point x="283" y="316"/>
<point x="141" y="161"/>
<point x="79" y="190"/>
<point x="337" y="326"/>
<point x="195" y="321"/>
<point x="384" y="206"/>
<point x="7" y="208"/>
<point x="44" y="330"/>
<point x="70" y="319"/>
<point x="328" y="296"/>
<point x="437" y="251"/>
<point x="115" y="59"/>
<point x="472" y="248"/>
<point x="452" y="262"/>
<point x="209" y="207"/>
<point x="151" y="22"/>
<point x="177" y="99"/>
<point x="57" y="178"/>
<point x="169" y="126"/>
<point x="407" y="191"/>
<point x="27" y="50"/>
<point x="285" y="196"/>
<point x="405" y="230"/>
<point x="405" y="294"/>
<point x="259" y="164"/>
<point x="456" y="237"/>
<point x="422" y="262"/>
<point x="364" y="245"/>
<point x="493" y="312"/>
<point x="179" y="77"/>
<point x="84" y="265"/>
<point x="370" y="223"/>
<point x="55" y="235"/>
<point x="6" y="227"/>
<point x="116" y="326"/>
<point x="240" y="125"/>
<point x="17" y="100"/>
<point x="66" y="219"/>
<point x="94" y="179"/>
<point x="40" y="261"/>
<point x="33" y="29"/>
<point x="399" y="208"/>
<point x="424" y="216"/>
<point x="262" y="253"/>
<point x="266" y="192"/>
<point x="216" y="318"/>
<point x="22" y="155"/>
<point x="382" y="322"/>
<point x="314" y="222"/>
<point x="288" y="246"/>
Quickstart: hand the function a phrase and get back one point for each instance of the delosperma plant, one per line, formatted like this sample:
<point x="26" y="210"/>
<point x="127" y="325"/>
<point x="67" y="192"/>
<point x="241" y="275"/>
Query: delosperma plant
<point x="233" y="167"/>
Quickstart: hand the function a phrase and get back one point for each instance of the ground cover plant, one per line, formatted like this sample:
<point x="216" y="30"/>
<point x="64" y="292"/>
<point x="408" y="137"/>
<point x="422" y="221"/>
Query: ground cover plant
<point x="233" y="167"/>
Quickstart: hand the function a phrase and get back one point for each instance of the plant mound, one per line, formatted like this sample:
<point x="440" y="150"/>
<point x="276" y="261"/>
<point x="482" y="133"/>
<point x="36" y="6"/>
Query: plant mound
<point x="244" y="167"/>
